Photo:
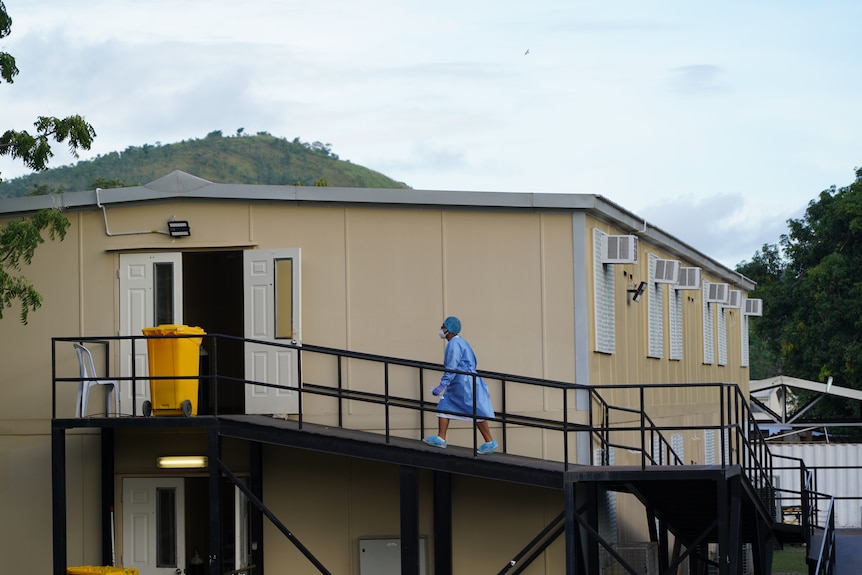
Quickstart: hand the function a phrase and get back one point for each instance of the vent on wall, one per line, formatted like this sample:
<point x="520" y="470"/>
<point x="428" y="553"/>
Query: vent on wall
<point x="667" y="271"/>
<point x="620" y="250"/>
<point x="753" y="307"/>
<point x="718" y="293"/>
<point x="735" y="299"/>
<point x="689" y="278"/>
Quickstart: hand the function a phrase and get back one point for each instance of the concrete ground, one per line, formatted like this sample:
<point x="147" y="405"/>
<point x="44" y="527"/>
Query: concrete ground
<point x="848" y="552"/>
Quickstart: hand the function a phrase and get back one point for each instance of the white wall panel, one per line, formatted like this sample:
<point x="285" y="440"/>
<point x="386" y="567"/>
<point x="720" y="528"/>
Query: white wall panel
<point x="838" y="467"/>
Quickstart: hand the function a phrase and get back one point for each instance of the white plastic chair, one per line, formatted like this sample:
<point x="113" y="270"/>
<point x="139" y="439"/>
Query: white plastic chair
<point x="89" y="379"/>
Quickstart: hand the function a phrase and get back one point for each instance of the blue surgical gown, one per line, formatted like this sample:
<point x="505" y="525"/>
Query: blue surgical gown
<point x="459" y="387"/>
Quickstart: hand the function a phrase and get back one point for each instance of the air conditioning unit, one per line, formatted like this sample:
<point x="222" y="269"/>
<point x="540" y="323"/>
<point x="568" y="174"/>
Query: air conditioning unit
<point x="620" y="250"/>
<point x="667" y="271"/>
<point x="717" y="293"/>
<point x="753" y="307"/>
<point x="735" y="299"/>
<point x="689" y="278"/>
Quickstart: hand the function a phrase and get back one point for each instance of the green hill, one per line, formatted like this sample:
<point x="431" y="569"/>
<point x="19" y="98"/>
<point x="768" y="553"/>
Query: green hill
<point x="239" y="159"/>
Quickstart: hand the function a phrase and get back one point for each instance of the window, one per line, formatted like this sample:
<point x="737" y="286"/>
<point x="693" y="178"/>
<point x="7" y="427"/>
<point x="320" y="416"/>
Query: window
<point x="744" y="340"/>
<point x="284" y="298"/>
<point x="163" y="285"/>
<point x="166" y="527"/>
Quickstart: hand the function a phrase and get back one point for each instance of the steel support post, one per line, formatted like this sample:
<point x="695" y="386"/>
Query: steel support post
<point x="216" y="551"/>
<point x="763" y="548"/>
<point x="58" y="497"/>
<point x="255" y="515"/>
<point x="735" y="524"/>
<point x="572" y="538"/>
<point x="409" y="505"/>
<point x="723" y="527"/>
<point x="107" y="511"/>
<point x="729" y="518"/>
<point x="591" y="552"/>
<point x="442" y="523"/>
<point x="663" y="546"/>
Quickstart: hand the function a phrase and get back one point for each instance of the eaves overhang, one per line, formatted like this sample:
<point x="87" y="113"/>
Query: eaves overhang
<point x="179" y="186"/>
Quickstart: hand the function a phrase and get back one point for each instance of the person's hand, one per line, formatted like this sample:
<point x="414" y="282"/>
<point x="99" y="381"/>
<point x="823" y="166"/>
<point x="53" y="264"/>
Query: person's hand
<point x="438" y="390"/>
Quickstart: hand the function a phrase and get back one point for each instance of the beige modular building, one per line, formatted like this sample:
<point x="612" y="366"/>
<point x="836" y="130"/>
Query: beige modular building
<point x="334" y="297"/>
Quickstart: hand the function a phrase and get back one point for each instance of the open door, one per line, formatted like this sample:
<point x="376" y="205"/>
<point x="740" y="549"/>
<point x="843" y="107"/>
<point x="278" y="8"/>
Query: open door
<point x="271" y="285"/>
<point x="154" y="525"/>
<point x="151" y="288"/>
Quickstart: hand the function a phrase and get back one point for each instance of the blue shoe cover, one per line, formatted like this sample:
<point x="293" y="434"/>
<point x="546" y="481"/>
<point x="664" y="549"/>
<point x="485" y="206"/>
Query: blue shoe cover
<point x="435" y="441"/>
<point x="489" y="447"/>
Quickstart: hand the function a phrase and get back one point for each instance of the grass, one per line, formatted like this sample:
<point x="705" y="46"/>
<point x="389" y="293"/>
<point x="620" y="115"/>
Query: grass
<point x="790" y="560"/>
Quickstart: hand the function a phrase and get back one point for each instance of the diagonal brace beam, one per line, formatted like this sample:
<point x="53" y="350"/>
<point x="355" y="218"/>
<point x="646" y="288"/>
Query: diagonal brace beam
<point x="557" y="521"/>
<point x="598" y="538"/>
<point x="275" y="521"/>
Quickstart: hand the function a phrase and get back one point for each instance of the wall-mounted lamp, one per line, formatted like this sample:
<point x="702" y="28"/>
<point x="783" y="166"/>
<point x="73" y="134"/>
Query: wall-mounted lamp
<point x="182" y="462"/>
<point x="179" y="228"/>
<point x="638" y="292"/>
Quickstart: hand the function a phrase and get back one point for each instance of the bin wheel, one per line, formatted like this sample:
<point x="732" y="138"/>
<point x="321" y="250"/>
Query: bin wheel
<point x="147" y="408"/>
<point x="186" y="407"/>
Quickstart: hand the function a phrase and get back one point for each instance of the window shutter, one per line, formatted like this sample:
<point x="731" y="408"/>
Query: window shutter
<point x="603" y="297"/>
<point x="708" y="328"/>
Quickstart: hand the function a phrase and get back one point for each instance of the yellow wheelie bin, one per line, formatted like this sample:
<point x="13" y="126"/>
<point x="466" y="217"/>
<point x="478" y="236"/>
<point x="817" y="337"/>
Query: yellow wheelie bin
<point x="176" y="357"/>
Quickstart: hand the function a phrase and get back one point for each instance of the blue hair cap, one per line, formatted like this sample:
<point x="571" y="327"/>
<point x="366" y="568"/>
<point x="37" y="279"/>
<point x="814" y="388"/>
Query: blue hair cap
<point x="452" y="324"/>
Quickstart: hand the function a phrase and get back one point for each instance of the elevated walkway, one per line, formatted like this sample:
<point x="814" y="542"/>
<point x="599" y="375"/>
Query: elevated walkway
<point x="688" y="507"/>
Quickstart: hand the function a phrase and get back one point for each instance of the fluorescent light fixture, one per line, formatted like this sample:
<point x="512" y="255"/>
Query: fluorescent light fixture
<point x="183" y="462"/>
<point x="179" y="228"/>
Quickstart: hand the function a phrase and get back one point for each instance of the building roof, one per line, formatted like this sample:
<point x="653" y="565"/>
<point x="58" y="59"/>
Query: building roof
<point x="180" y="185"/>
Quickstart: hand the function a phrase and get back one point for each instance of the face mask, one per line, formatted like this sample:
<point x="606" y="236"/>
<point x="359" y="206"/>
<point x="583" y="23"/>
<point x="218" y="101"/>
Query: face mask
<point x="442" y="334"/>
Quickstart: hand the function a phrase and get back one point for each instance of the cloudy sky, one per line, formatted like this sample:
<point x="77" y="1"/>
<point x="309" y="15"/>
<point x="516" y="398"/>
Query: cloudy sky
<point x="715" y="121"/>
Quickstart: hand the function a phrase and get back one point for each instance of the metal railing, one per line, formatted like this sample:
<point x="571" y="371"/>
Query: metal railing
<point x="636" y="418"/>
<point x="825" y="557"/>
<point x="612" y="416"/>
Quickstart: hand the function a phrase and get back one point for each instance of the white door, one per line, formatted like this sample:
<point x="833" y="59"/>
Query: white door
<point x="151" y="288"/>
<point x="154" y="525"/>
<point x="271" y="284"/>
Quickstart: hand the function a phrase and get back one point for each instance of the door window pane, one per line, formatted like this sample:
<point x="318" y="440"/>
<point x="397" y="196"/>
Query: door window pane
<point x="166" y="527"/>
<point x="284" y="298"/>
<point x="163" y="282"/>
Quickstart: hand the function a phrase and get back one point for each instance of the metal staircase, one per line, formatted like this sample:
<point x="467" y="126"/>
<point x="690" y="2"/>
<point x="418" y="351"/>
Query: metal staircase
<point x="726" y="501"/>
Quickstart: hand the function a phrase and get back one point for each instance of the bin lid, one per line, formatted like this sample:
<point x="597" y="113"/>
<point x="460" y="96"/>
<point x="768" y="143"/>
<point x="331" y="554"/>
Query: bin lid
<point x="172" y="329"/>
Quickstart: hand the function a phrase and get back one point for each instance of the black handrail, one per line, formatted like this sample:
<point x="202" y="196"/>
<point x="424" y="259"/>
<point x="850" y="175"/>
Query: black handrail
<point x="825" y="563"/>
<point x="741" y="442"/>
<point x="647" y="427"/>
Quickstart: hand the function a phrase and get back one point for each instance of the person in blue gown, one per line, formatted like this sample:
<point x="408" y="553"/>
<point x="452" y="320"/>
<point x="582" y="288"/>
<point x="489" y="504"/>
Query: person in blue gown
<point x="456" y="389"/>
